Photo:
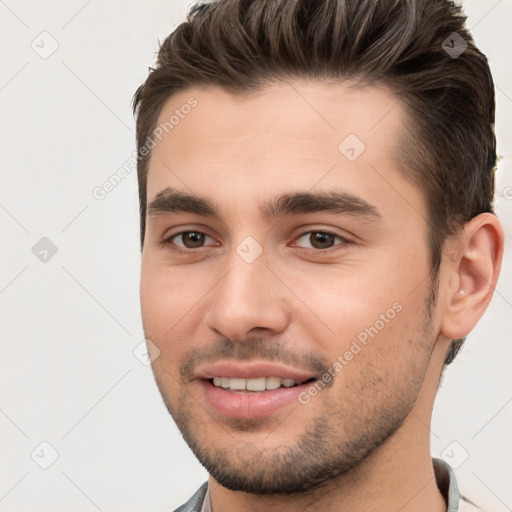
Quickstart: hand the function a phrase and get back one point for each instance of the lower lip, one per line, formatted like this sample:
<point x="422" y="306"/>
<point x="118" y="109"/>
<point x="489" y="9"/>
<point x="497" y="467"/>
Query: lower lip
<point x="251" y="404"/>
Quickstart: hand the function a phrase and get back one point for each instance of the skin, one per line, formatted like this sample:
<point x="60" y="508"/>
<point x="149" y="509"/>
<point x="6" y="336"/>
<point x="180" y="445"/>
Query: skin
<point x="239" y="152"/>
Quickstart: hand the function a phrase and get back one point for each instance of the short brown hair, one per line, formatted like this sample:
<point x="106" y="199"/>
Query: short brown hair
<point x="244" y="45"/>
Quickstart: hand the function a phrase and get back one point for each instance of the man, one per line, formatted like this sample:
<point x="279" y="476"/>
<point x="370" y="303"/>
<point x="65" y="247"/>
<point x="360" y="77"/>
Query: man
<point x="316" y="182"/>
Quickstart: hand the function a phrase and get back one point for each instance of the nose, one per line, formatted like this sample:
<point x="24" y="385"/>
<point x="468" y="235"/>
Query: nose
<point x="248" y="300"/>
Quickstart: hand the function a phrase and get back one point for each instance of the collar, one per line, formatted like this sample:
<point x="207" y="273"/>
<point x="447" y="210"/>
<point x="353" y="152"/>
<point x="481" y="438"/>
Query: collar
<point x="447" y="483"/>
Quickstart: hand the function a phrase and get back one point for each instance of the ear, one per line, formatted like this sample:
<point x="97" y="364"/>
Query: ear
<point x="472" y="264"/>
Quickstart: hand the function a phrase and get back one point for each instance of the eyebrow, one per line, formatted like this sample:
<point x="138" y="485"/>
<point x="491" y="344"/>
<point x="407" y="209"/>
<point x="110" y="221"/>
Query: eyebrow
<point x="310" y="202"/>
<point x="174" y="201"/>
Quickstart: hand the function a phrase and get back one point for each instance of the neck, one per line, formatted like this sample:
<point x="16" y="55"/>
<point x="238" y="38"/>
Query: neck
<point x="398" y="475"/>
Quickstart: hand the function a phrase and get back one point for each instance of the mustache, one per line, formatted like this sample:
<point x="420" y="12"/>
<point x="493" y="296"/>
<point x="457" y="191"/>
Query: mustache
<point x="249" y="350"/>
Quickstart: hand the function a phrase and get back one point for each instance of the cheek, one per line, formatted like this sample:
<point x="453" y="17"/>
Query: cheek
<point x="167" y="291"/>
<point x="174" y="302"/>
<point x="169" y="300"/>
<point x="376" y="317"/>
<point x="348" y="301"/>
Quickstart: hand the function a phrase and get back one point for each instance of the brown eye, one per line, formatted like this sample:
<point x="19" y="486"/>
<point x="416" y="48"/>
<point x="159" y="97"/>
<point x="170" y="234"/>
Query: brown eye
<point x="321" y="240"/>
<point x="189" y="239"/>
<point x="192" y="239"/>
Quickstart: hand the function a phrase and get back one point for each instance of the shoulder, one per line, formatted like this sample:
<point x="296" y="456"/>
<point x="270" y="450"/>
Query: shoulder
<point x="195" y="504"/>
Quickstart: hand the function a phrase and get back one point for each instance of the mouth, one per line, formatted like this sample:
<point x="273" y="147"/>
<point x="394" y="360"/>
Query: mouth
<point x="255" y="385"/>
<point x="251" y="390"/>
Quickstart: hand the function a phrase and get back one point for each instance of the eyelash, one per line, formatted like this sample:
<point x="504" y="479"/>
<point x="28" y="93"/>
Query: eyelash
<point x="344" y="241"/>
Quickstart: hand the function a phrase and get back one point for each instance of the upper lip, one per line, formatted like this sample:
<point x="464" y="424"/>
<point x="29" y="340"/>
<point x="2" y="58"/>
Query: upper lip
<point x="253" y="370"/>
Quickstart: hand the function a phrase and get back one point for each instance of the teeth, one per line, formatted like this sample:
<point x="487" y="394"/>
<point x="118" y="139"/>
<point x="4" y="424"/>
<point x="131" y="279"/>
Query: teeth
<point x="238" y="384"/>
<point x="259" y="384"/>
<point x="273" y="382"/>
<point x="255" y="384"/>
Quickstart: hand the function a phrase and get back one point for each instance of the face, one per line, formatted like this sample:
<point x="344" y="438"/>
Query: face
<point x="285" y="274"/>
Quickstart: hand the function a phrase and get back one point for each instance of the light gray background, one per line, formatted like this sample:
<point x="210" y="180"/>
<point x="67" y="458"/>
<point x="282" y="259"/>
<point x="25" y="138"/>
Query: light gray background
<point x="69" y="326"/>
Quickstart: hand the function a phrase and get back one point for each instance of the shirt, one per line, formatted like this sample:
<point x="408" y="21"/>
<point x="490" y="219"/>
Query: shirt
<point x="445" y="478"/>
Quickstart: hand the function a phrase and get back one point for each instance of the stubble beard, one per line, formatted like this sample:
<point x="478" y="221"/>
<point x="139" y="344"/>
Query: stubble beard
<point x="324" y="451"/>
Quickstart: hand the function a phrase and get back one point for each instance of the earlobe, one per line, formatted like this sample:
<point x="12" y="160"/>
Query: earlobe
<point x="472" y="274"/>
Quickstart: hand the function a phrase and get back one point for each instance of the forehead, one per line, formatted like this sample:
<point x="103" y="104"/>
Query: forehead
<point x="308" y="112"/>
<point x="289" y="136"/>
